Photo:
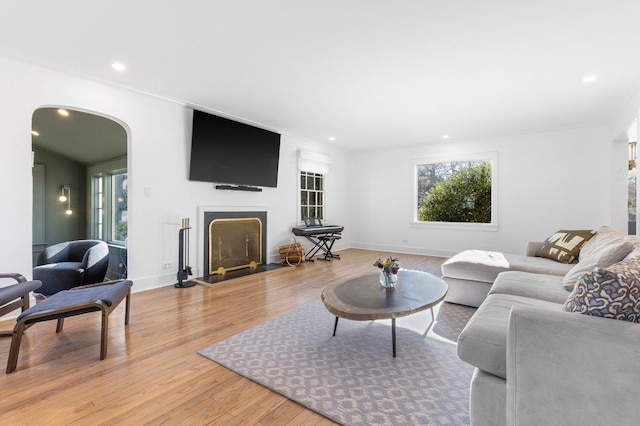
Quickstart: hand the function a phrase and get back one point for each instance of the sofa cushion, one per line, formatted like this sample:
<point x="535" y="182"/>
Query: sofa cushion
<point x="612" y="292"/>
<point x="484" y="266"/>
<point x="483" y="341"/>
<point x="600" y="257"/>
<point x="537" y="286"/>
<point x="564" y="246"/>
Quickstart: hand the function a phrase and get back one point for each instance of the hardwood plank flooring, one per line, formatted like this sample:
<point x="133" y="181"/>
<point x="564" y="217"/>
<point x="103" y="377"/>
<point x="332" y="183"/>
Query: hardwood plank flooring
<point x="152" y="373"/>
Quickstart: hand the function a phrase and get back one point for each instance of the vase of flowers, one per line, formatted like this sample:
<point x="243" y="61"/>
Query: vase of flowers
<point x="388" y="271"/>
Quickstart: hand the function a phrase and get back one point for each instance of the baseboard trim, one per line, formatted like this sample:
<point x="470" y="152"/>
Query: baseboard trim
<point x="405" y="249"/>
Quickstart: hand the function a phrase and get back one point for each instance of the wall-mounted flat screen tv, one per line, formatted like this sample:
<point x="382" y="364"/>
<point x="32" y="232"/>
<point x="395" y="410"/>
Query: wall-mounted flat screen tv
<point x="230" y="152"/>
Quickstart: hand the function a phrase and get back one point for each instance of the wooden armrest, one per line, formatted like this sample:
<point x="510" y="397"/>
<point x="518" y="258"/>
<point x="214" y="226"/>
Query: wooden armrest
<point x="18" y="277"/>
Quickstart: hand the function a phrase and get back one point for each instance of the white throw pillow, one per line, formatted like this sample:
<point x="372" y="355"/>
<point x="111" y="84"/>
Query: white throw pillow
<point x="605" y="236"/>
<point x="634" y="253"/>
<point x="603" y="256"/>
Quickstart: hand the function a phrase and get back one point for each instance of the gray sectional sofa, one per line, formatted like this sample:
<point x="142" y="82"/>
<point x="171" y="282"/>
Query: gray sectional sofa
<point x="537" y="363"/>
<point x="471" y="274"/>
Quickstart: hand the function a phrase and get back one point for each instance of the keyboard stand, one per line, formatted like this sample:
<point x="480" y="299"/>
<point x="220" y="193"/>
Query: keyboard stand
<point x="322" y="243"/>
<point x="327" y="244"/>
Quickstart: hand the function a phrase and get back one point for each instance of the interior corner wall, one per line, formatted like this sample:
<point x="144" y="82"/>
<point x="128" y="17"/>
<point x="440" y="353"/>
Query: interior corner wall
<point x="547" y="181"/>
<point x="160" y="195"/>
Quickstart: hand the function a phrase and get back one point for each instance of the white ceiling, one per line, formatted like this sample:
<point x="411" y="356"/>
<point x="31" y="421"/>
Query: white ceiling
<point x="371" y="73"/>
<point x="85" y="138"/>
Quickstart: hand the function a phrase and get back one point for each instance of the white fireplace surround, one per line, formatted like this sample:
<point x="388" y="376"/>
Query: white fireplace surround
<point x="200" y="266"/>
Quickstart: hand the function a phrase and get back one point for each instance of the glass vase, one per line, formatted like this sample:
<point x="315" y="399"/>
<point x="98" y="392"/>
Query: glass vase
<point x="388" y="279"/>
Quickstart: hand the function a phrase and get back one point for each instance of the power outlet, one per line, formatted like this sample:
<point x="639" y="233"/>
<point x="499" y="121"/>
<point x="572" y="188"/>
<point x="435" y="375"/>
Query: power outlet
<point x="166" y="265"/>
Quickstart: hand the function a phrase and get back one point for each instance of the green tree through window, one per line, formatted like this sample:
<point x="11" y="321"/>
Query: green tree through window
<point x="120" y="203"/>
<point x="455" y="192"/>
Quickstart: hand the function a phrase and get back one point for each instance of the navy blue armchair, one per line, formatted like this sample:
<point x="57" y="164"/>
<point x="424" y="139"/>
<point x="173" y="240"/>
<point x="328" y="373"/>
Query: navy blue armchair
<point x="71" y="264"/>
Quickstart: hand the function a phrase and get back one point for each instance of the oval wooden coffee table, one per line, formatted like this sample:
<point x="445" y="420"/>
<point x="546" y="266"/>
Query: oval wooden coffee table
<point x="364" y="299"/>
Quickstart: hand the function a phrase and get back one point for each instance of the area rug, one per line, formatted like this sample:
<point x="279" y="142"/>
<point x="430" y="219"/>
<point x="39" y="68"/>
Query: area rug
<point x="352" y="378"/>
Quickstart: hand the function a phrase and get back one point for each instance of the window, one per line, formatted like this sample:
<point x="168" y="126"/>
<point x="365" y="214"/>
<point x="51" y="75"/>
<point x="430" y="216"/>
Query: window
<point x="632" y="207"/>
<point x="118" y="222"/>
<point x="98" y="215"/>
<point x="311" y="195"/>
<point x="109" y="206"/>
<point x="313" y="168"/>
<point x="457" y="193"/>
<point x="632" y="180"/>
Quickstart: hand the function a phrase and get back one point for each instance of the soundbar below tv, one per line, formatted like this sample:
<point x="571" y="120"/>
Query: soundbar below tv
<point x="229" y="152"/>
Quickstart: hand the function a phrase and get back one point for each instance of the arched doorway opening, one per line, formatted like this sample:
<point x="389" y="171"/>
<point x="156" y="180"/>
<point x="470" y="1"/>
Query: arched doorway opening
<point x="80" y="181"/>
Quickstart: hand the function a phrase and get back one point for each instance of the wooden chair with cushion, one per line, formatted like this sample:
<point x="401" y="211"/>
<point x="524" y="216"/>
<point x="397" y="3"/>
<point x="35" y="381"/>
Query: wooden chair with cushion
<point x="15" y="296"/>
<point x="103" y="297"/>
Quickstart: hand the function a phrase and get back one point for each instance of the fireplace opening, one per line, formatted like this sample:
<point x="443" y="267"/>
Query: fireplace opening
<point x="234" y="243"/>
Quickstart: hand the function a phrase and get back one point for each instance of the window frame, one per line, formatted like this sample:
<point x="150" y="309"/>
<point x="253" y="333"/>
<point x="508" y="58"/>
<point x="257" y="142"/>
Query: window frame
<point x="112" y="205"/>
<point x="492" y="158"/>
<point x="323" y="205"/>
<point x="104" y="172"/>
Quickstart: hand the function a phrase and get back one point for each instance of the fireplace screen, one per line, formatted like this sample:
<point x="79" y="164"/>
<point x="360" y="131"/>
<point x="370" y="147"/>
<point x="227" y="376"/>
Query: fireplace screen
<point x="234" y="244"/>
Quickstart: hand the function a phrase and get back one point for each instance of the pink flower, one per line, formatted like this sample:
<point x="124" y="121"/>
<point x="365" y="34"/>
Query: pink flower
<point x="389" y="265"/>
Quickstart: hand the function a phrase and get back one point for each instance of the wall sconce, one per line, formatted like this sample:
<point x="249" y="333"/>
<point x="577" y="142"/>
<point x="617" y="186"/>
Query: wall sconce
<point x="65" y="195"/>
<point x="633" y="155"/>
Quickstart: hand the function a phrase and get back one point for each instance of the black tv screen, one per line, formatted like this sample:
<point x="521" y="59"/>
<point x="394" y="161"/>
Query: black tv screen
<point x="229" y="152"/>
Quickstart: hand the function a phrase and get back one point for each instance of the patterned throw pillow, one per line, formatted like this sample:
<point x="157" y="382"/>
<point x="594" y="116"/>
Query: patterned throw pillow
<point x="564" y="246"/>
<point x="612" y="292"/>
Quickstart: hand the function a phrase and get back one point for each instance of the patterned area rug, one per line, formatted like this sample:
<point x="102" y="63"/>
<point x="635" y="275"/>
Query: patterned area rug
<point x="352" y="378"/>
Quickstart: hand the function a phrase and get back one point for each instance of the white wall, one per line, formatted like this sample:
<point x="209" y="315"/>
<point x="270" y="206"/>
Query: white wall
<point x="158" y="156"/>
<point x="547" y="181"/>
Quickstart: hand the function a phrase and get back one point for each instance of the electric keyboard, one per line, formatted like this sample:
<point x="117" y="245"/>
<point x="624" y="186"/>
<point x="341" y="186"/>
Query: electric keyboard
<point x="322" y="237"/>
<point x="304" y="231"/>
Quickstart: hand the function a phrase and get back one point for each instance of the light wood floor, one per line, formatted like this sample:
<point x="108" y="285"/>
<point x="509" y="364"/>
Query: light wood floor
<point x="152" y="373"/>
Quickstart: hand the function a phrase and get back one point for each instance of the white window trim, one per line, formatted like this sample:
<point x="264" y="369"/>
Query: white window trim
<point x="313" y="162"/>
<point x="494" y="226"/>
<point x="324" y="197"/>
<point x="104" y="169"/>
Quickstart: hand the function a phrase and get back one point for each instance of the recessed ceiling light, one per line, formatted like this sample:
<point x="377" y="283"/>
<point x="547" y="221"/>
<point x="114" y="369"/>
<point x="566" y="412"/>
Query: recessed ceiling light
<point x="589" y="79"/>
<point x="118" y="66"/>
<point x="331" y="138"/>
<point x="445" y="136"/>
<point x="63" y="112"/>
<point x="35" y="133"/>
